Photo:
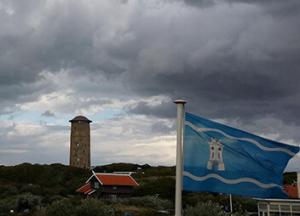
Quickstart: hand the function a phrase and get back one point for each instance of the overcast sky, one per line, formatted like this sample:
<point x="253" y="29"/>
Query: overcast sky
<point x="121" y="63"/>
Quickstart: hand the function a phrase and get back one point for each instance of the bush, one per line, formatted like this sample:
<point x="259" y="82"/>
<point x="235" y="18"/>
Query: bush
<point x="27" y="202"/>
<point x="247" y="204"/>
<point x="61" y="208"/>
<point x="39" y="179"/>
<point x="122" y="210"/>
<point x="6" y="205"/>
<point x="147" y="201"/>
<point x="30" y="188"/>
<point x="208" y="209"/>
<point x="205" y="209"/>
<point x="163" y="186"/>
<point x="90" y="207"/>
<point x="93" y="207"/>
<point x="8" y="190"/>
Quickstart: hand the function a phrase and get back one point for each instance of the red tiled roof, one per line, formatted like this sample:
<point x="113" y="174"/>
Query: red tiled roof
<point x="292" y="190"/>
<point x="86" y="189"/>
<point x="116" y="179"/>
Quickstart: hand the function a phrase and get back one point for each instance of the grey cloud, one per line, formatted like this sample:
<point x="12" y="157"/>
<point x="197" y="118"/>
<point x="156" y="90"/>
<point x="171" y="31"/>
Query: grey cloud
<point x="220" y="95"/>
<point x="276" y="7"/>
<point x="48" y="113"/>
<point x="200" y="3"/>
<point x="214" y="61"/>
<point x="231" y="59"/>
<point x="41" y="37"/>
<point x="11" y="96"/>
<point x="19" y="144"/>
<point x="252" y="73"/>
<point x="223" y="67"/>
<point x="162" y="128"/>
<point x="26" y="140"/>
<point x="163" y="110"/>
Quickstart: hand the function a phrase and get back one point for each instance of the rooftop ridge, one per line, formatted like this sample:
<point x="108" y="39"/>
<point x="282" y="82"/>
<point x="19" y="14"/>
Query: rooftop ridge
<point x="116" y="174"/>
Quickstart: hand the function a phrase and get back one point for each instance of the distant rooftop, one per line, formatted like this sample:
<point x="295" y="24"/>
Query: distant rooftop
<point x="80" y="118"/>
<point x="115" y="179"/>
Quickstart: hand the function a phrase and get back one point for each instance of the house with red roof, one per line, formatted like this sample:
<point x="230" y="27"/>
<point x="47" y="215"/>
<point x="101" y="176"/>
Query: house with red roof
<point x="108" y="184"/>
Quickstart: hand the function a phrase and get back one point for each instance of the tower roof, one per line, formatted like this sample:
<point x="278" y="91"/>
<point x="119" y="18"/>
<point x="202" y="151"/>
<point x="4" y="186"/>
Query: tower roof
<point x="80" y="118"/>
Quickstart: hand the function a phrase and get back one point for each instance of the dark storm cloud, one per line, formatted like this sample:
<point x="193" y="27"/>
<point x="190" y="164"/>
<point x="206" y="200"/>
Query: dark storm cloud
<point x="234" y="60"/>
<point x="38" y="37"/>
<point x="163" y="110"/>
<point x="59" y="40"/>
<point x="275" y="7"/>
<point x="200" y="3"/>
<point x="231" y="59"/>
<point x="254" y="73"/>
<point x="244" y="94"/>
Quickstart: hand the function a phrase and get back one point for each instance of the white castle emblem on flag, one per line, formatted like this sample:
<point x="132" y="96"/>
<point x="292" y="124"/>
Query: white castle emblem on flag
<point x="216" y="155"/>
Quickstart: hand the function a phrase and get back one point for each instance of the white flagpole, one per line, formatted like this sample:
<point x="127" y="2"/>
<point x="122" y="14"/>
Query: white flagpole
<point x="230" y="200"/>
<point x="179" y="157"/>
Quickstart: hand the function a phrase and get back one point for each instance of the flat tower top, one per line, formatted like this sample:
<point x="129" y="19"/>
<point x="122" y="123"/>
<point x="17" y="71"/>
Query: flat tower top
<point x="80" y="118"/>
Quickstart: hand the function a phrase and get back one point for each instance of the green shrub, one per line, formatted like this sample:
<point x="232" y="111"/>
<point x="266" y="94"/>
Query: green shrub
<point x="30" y="188"/>
<point x="8" y="190"/>
<point x="6" y="205"/>
<point x="163" y="186"/>
<point x="247" y="204"/>
<point x="147" y="201"/>
<point x="93" y="207"/>
<point x="209" y="209"/>
<point x="39" y="179"/>
<point x="62" y="207"/>
<point x="205" y="209"/>
<point x="90" y="207"/>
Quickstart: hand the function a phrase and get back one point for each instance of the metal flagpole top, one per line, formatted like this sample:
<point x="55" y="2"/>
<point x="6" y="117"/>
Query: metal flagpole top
<point x="180" y="101"/>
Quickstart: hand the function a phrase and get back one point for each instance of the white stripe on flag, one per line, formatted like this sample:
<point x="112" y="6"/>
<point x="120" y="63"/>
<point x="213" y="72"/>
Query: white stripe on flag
<point x="230" y="181"/>
<point x="259" y="145"/>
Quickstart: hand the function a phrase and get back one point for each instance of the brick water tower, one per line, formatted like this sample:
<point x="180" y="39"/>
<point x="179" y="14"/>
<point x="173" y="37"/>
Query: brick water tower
<point x="80" y="146"/>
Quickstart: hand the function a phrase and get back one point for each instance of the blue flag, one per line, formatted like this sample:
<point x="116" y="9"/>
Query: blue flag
<point x="221" y="159"/>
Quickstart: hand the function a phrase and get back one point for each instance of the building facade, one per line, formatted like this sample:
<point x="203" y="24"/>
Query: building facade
<point x="282" y="207"/>
<point x="80" y="142"/>
<point x="278" y="207"/>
